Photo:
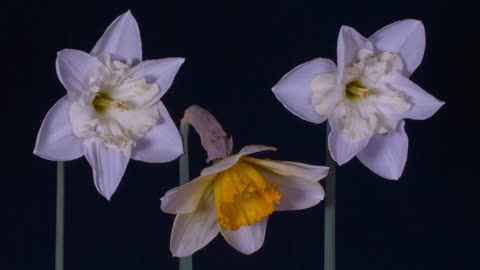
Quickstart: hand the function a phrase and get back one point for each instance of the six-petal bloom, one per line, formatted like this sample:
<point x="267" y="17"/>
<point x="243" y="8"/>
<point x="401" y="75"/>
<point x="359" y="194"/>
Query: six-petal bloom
<point x="366" y="96"/>
<point x="235" y="196"/>
<point x="112" y="111"/>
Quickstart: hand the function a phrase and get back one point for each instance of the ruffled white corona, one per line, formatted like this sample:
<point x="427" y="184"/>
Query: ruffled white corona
<point x="112" y="111"/>
<point x="366" y="96"/>
<point x="235" y="197"/>
<point x="365" y="103"/>
<point x="116" y="109"/>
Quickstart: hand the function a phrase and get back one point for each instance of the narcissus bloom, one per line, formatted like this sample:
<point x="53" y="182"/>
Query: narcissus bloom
<point x="235" y="196"/>
<point x="112" y="111"/>
<point x="366" y="96"/>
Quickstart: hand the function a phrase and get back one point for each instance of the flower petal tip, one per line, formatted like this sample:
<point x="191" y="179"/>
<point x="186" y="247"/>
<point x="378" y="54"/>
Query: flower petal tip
<point x="393" y="177"/>
<point x="180" y="60"/>
<point x="339" y="162"/>
<point x="106" y="195"/>
<point x="250" y="252"/>
<point x="162" y="205"/>
<point x="38" y="153"/>
<point x="274" y="88"/>
<point x="395" y="174"/>
<point x="128" y="13"/>
<point x="413" y="22"/>
<point x="325" y="173"/>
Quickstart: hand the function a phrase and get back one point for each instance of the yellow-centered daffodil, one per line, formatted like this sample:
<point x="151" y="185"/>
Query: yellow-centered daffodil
<point x="235" y="196"/>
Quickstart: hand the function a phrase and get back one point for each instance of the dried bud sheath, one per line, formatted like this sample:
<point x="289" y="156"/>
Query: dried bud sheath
<point x="212" y="136"/>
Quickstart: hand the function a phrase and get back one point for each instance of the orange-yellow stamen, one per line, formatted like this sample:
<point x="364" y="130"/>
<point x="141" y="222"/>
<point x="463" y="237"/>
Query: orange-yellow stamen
<point x="243" y="196"/>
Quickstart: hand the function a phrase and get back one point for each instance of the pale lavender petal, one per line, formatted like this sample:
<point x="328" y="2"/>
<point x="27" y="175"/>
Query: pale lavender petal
<point x="296" y="192"/>
<point x="229" y="161"/>
<point x="185" y="198"/>
<point x="121" y="40"/>
<point x="195" y="230"/>
<point x="247" y="239"/>
<point x="308" y="172"/>
<point x="386" y="154"/>
<point x="341" y="147"/>
<point x="407" y="38"/>
<point x="55" y="139"/>
<point x="348" y="44"/>
<point x="162" y="143"/>
<point x="161" y="71"/>
<point x="294" y="90"/>
<point x="108" y="167"/>
<point x="74" y="70"/>
<point x="424" y="105"/>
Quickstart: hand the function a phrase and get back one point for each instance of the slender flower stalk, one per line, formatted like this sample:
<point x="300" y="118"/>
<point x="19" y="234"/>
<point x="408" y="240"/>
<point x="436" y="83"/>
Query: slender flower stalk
<point x="330" y="191"/>
<point x="185" y="263"/>
<point x="60" y="215"/>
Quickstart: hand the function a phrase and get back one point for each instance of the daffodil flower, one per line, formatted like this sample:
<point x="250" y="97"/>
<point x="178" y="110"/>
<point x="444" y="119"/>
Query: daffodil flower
<point x="112" y="111"/>
<point x="366" y="96"/>
<point x="235" y="196"/>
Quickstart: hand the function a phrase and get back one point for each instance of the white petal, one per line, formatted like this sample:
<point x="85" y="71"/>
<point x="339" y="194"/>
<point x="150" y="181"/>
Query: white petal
<point x="229" y="161"/>
<point x="162" y="143"/>
<point x="348" y="44"/>
<point x="424" y="104"/>
<point x="195" y="230"/>
<point x="247" y="239"/>
<point x="55" y="139"/>
<point x="294" y="90"/>
<point x="185" y="198"/>
<point x="289" y="168"/>
<point x="108" y="167"/>
<point x="342" y="148"/>
<point x="386" y="154"/>
<point x="252" y="149"/>
<point x="297" y="193"/>
<point x="161" y="71"/>
<point x="406" y="38"/>
<point x="121" y="40"/>
<point x="74" y="69"/>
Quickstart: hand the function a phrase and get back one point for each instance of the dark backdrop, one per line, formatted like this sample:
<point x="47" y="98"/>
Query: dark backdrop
<point x="235" y="52"/>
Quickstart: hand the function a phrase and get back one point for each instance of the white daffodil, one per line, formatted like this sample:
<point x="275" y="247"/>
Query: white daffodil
<point x="112" y="111"/>
<point x="235" y="196"/>
<point x="366" y="96"/>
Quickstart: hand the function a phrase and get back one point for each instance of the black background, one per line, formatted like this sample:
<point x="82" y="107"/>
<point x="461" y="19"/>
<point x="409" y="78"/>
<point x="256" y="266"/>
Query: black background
<point x="235" y="52"/>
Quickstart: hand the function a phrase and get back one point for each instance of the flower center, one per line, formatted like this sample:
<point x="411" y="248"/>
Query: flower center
<point x="118" y="109"/>
<point x="103" y="101"/>
<point x="364" y="102"/>
<point x="356" y="90"/>
<point x="243" y="196"/>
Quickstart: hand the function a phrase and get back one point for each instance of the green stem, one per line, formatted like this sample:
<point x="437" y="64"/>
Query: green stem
<point x="185" y="262"/>
<point x="329" y="246"/>
<point x="60" y="213"/>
